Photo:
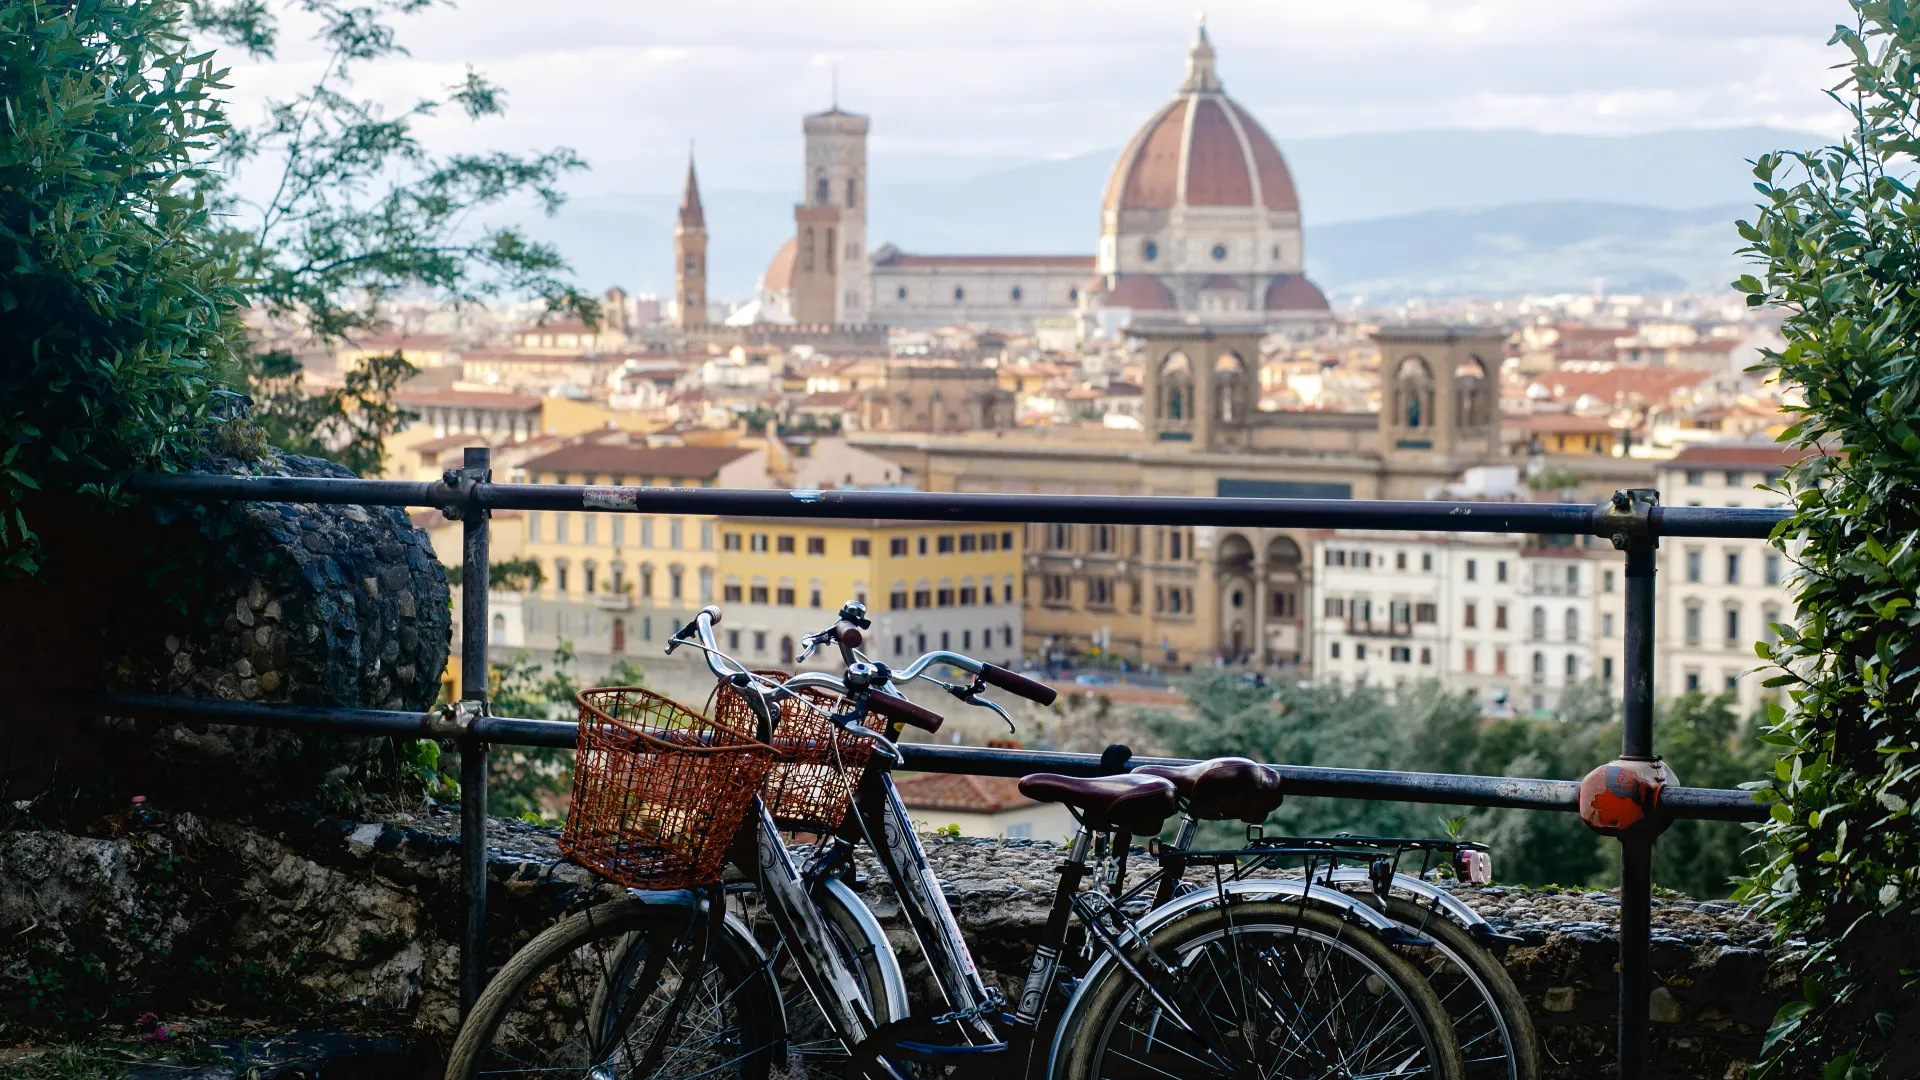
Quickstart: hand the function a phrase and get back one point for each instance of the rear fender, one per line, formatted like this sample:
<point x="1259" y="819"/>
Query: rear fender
<point x="1447" y="903"/>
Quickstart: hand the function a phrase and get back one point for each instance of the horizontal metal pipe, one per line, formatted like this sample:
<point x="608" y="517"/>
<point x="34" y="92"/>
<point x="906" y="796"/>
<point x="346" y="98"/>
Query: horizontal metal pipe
<point x="1406" y="516"/>
<point x="1716" y="521"/>
<point x="1445" y="788"/>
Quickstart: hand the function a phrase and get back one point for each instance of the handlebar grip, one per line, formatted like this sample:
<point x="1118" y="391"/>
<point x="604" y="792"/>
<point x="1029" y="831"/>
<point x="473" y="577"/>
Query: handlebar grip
<point x="692" y="629"/>
<point x="848" y="634"/>
<point x="995" y="675"/>
<point x="899" y="708"/>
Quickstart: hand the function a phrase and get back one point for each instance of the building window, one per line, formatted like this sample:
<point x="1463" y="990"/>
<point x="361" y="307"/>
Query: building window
<point x="646" y="532"/>
<point x="675" y="530"/>
<point x="1219" y="253"/>
<point x="988" y="542"/>
<point x="1539" y="623"/>
<point x="590" y="529"/>
<point x="945" y="545"/>
<point x="986" y="593"/>
<point x="1059" y="537"/>
<point x="923" y="595"/>
<point x="560" y="522"/>
<point x="1606" y="581"/>
<point x="646" y="581"/>
<point x="1399" y="560"/>
<point x="1733" y="568"/>
<point x="559" y="576"/>
<point x="899" y="645"/>
<point x="706" y="536"/>
<point x="1100" y="593"/>
<point x="1771" y="570"/>
<point x="758" y="544"/>
<point x="1693" y="566"/>
<point x="706" y="585"/>
<point x="1470" y="616"/>
<point x="968" y="542"/>
<point x="1336" y="607"/>
<point x="897" y="598"/>
<point x="587" y="573"/>
<point x="1769" y="617"/>
<point x="959" y="294"/>
<point x="1693" y="682"/>
<point x="675" y="577"/>
<point x="944" y="596"/>
<point x="1539" y="666"/>
<point x="1606" y="624"/>
<point x="1426" y="655"/>
<point x="1468" y="659"/>
<point x="783" y="596"/>
<point x="816" y="545"/>
<point x="1360" y="650"/>
<point x="533" y="526"/>
<point x="852" y="191"/>
<point x="1733" y="626"/>
<point x="1693" y="624"/>
<point x="1426" y="613"/>
<point x="1735" y="478"/>
<point x="1606" y="668"/>
<point x="1400" y="654"/>
<point x="1015" y="294"/>
<point x="1333" y="650"/>
<point x="1500" y="570"/>
<point x="1150" y="251"/>
<point x="1573" y="667"/>
<point x="783" y="545"/>
<point x="1006" y="541"/>
<point x="1499" y="661"/>
<point x="862" y="547"/>
<point x="757" y="594"/>
<point x="730" y="542"/>
<point x="1426" y="561"/>
<point x="897" y="547"/>
<point x="730" y="592"/>
<point x="1473" y="570"/>
<point x="1499" y="616"/>
<point x="922" y="545"/>
<point x="1573" y="624"/>
<point x="969" y="595"/>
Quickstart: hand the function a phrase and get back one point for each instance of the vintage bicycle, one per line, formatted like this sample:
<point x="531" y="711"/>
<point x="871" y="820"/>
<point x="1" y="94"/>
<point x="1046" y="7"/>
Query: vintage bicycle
<point x="668" y="983"/>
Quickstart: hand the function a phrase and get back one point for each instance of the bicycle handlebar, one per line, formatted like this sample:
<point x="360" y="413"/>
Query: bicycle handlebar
<point x="1014" y="683"/>
<point x="898" y="708"/>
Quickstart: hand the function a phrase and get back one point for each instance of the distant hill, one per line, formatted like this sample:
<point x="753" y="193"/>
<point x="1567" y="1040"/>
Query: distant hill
<point x="1544" y="247"/>
<point x="1391" y="214"/>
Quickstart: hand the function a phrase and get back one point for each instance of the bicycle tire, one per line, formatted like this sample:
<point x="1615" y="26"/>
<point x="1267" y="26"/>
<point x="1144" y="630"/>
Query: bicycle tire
<point x="522" y="1024"/>
<point x="1486" y="976"/>
<point x="1408" y="1014"/>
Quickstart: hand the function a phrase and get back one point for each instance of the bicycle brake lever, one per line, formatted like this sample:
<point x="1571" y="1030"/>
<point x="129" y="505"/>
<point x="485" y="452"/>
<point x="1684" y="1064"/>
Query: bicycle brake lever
<point x="972" y="696"/>
<point x="989" y="703"/>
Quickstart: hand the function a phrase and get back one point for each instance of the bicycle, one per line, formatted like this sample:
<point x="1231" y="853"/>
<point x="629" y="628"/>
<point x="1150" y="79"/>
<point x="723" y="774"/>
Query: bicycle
<point x="1456" y="946"/>
<point x="666" y="983"/>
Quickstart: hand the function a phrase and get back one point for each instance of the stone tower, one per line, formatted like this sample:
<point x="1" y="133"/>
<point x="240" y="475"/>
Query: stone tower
<point x="1440" y="393"/>
<point x="830" y="277"/>
<point x="690" y="257"/>
<point x="1202" y="384"/>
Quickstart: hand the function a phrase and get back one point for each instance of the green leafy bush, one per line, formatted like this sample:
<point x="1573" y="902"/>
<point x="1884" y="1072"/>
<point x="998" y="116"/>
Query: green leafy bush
<point x="116" y="315"/>
<point x="1838" y="243"/>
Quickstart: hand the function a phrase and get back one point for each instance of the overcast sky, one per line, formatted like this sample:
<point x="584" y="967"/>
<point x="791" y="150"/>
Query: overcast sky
<point x="961" y="88"/>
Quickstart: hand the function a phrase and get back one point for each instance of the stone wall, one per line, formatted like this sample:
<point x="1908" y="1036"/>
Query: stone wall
<point x="303" y="918"/>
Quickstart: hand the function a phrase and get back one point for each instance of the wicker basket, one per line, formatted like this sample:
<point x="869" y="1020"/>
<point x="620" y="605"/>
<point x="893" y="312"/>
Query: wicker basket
<point x="658" y="789"/>
<point x="812" y="782"/>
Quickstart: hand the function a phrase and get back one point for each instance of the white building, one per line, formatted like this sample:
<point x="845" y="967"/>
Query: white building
<point x="1717" y="597"/>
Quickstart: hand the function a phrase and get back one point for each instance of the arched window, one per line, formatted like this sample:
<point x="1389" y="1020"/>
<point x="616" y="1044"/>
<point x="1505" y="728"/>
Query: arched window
<point x="1539" y="624"/>
<point x="1472" y="402"/>
<point x="1229" y="385"/>
<point x="959" y="294"/>
<point x="820" y="188"/>
<point x="901" y="292"/>
<point x="1176" y="387"/>
<point x="1150" y="250"/>
<point x="806" y="251"/>
<point x="1573" y="624"/>
<point x="1016" y="294"/>
<point x="499" y="629"/>
<point x="852" y="193"/>
<point x="1413" y="393"/>
<point x="706" y="585"/>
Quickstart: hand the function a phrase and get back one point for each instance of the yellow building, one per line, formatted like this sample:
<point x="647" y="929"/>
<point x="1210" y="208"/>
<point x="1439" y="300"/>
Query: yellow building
<point x="926" y="586"/>
<point x="617" y="582"/>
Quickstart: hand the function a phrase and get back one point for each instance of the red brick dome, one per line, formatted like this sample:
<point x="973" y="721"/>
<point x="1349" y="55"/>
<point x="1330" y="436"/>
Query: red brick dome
<point x="1293" y="292"/>
<point x="1141" y="292"/>
<point x="1228" y="158"/>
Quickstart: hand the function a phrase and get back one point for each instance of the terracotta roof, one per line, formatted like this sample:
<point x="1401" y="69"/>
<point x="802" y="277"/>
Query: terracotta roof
<point x="630" y="461"/>
<point x="947" y="791"/>
<point x="1220" y="283"/>
<point x="1621" y="385"/>
<point x="1141" y="292"/>
<point x="779" y="276"/>
<point x="467" y="399"/>
<point x="1293" y="292"/>
<point x="1754" y="455"/>
<point x="1049" y="262"/>
<point x="449" y="442"/>
<point x="1123" y="389"/>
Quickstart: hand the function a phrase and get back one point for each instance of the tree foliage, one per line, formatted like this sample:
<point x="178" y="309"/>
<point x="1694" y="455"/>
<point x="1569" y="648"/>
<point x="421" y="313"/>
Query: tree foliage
<point x="1837" y="243"/>
<point x="1425" y="728"/>
<point x="116" y="319"/>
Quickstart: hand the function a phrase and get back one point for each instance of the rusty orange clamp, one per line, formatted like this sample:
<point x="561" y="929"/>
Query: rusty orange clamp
<point x="1624" y="796"/>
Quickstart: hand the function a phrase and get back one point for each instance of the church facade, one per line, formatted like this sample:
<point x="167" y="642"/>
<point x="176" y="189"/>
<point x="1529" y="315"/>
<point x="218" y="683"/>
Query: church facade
<point x="1199" y="224"/>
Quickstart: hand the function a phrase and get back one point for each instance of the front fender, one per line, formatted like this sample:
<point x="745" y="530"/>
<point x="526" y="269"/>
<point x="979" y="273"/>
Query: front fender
<point x="1321" y="896"/>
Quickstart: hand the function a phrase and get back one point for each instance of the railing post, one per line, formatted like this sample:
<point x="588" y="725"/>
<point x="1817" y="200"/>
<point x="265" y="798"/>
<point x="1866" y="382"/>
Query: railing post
<point x="473" y="696"/>
<point x="1621" y="798"/>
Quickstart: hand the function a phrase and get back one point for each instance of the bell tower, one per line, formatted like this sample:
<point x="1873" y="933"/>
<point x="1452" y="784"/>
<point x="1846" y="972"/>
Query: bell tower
<point x="1439" y="392"/>
<point x="690" y="257"/>
<point x="830" y="275"/>
<point x="1201" y="384"/>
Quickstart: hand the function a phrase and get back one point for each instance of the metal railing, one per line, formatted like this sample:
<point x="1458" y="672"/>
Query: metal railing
<point x="1631" y="520"/>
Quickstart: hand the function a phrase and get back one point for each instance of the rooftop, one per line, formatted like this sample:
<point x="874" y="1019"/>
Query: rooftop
<point x="702" y="461"/>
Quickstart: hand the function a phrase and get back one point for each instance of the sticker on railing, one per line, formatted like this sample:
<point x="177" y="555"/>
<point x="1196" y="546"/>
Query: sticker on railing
<point x="807" y="494"/>
<point x="609" y="498"/>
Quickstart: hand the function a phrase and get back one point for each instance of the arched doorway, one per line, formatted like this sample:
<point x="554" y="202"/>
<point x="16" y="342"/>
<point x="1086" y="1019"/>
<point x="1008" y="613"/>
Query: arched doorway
<point x="619" y="635"/>
<point x="1283" y="618"/>
<point x="1234" y="575"/>
<point x="786" y="648"/>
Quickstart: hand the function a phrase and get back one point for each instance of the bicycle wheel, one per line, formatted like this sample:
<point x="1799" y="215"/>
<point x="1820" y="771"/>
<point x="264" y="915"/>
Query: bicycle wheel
<point x="1295" y="991"/>
<point x="1490" y="1018"/>
<point x="623" y="989"/>
<point x="813" y="1052"/>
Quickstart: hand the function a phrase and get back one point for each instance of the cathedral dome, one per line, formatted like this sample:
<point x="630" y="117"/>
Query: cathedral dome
<point x="1201" y="149"/>
<point x="1292" y="292"/>
<point x="1141" y="292"/>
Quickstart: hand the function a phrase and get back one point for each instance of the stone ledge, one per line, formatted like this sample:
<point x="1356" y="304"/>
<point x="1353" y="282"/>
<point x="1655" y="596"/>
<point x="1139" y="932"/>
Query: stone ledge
<point x="362" y="919"/>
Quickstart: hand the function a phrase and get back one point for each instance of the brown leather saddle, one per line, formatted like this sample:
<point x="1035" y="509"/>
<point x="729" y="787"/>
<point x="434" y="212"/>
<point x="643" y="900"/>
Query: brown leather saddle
<point x="1129" y="803"/>
<point x="1222" y="788"/>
